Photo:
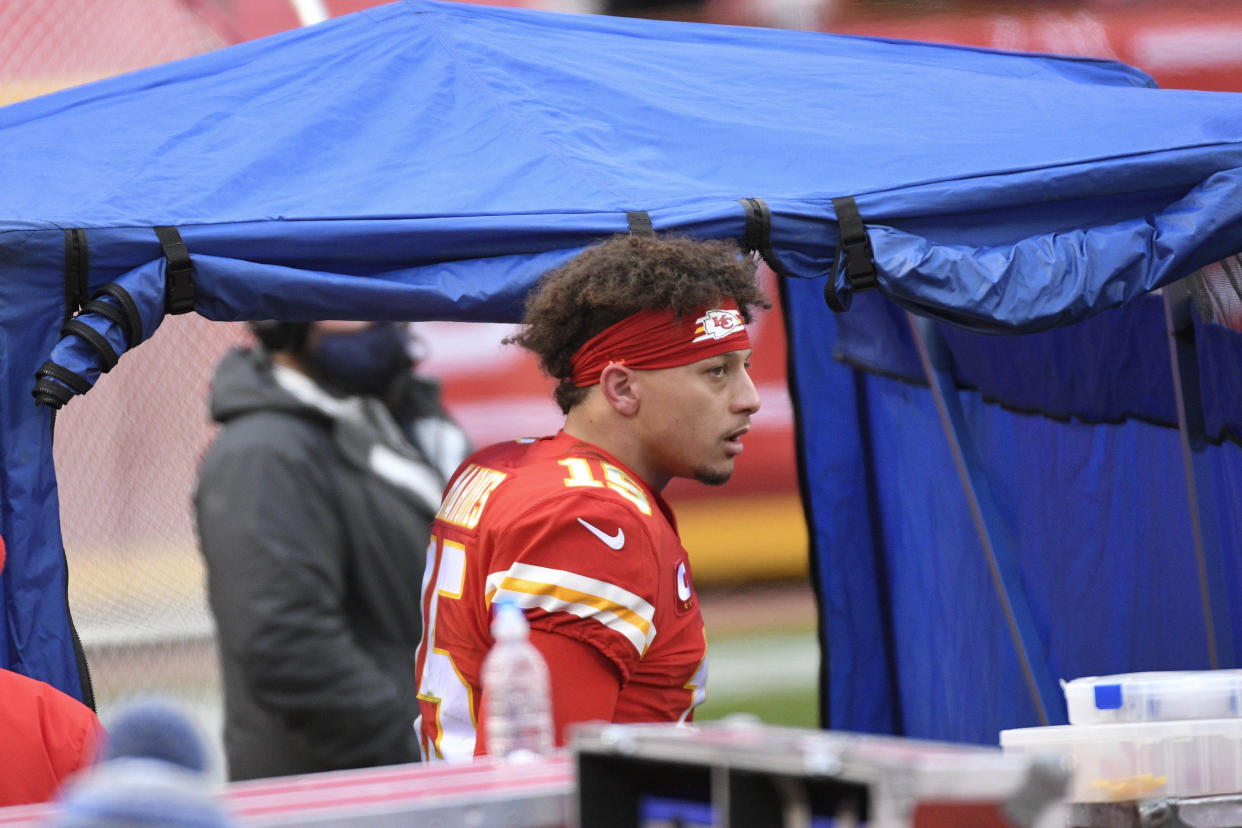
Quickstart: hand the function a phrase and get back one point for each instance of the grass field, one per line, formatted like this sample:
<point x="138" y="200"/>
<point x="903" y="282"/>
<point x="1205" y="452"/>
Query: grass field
<point x="763" y="652"/>
<point x="792" y="707"/>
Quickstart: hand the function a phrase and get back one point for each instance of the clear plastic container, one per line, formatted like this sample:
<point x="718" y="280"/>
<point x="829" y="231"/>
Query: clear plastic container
<point x="1138" y="760"/>
<point x="517" y="699"/>
<point x="1154" y="697"/>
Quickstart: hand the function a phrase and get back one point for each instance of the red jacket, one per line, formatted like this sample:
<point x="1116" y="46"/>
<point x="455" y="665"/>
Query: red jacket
<point x="46" y="736"/>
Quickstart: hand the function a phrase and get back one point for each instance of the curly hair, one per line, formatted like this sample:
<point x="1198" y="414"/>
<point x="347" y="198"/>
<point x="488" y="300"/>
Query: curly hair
<point x="620" y="277"/>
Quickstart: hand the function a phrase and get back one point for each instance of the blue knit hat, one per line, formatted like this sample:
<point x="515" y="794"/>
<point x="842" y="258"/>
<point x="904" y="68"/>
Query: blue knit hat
<point x="127" y="793"/>
<point x="152" y="772"/>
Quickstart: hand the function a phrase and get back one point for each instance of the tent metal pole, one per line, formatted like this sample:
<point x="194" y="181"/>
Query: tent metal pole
<point x="310" y="12"/>
<point x="1002" y="563"/>
<point x="1200" y="488"/>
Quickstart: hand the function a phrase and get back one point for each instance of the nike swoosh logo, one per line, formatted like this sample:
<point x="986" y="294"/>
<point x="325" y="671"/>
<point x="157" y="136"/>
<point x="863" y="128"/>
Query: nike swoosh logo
<point x="614" y="541"/>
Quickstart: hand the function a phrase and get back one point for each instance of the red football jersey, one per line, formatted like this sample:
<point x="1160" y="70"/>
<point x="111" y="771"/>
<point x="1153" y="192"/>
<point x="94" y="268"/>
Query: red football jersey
<point x="562" y="529"/>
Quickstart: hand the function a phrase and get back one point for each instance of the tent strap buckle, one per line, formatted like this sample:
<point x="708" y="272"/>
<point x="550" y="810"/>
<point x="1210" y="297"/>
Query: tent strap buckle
<point x="178" y="272"/>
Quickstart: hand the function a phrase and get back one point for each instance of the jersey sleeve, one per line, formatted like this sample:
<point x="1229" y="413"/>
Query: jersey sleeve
<point x="583" y="566"/>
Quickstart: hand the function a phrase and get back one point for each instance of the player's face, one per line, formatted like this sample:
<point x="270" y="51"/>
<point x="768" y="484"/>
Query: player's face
<point x="691" y="418"/>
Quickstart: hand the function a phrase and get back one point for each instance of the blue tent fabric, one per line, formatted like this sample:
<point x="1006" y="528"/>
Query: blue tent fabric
<point x="1218" y="348"/>
<point x="227" y="138"/>
<point x="145" y="287"/>
<point x="1108" y="368"/>
<point x="847" y="567"/>
<point x="1006" y="286"/>
<point x="1097" y="514"/>
<point x="429" y="160"/>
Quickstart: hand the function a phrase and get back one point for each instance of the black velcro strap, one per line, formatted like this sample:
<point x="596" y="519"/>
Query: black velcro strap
<point x="758" y="224"/>
<point x="134" y="331"/>
<point x="640" y="223"/>
<point x="758" y="234"/>
<point x="77" y="267"/>
<point x="107" y="354"/>
<point x="854" y="246"/>
<point x="62" y="374"/>
<point x="51" y="394"/>
<point x="113" y="314"/>
<point x="178" y="272"/>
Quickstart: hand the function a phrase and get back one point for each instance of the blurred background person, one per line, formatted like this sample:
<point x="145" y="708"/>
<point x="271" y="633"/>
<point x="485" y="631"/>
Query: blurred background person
<point x="45" y="736"/>
<point x="153" y="770"/>
<point x="313" y="505"/>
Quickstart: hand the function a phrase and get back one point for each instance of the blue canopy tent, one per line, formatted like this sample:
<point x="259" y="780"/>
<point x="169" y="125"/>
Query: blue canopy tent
<point x="430" y="161"/>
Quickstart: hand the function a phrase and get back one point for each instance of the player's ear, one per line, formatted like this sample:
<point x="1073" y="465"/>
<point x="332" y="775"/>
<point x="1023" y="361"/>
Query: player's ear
<point x="617" y="384"/>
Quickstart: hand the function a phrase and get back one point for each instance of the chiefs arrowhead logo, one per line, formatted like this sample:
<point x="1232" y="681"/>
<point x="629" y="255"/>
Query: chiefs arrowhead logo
<point x="717" y="324"/>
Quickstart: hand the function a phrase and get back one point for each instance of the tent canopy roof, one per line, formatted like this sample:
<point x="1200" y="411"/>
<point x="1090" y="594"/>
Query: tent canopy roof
<point x="423" y="109"/>
<point x="472" y="132"/>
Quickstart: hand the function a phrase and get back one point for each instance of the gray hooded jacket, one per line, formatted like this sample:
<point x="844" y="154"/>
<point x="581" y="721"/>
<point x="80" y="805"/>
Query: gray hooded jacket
<point x="313" y="513"/>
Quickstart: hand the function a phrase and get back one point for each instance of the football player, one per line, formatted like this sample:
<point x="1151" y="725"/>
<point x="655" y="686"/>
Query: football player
<point x="647" y="339"/>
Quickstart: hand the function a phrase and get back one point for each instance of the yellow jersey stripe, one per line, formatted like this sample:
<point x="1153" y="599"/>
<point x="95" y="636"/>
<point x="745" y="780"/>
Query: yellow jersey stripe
<point x="556" y="590"/>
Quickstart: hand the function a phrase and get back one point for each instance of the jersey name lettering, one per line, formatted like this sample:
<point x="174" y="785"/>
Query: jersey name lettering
<point x="463" y="505"/>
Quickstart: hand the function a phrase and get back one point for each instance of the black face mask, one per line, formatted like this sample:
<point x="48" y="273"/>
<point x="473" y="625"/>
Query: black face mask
<point x="361" y="362"/>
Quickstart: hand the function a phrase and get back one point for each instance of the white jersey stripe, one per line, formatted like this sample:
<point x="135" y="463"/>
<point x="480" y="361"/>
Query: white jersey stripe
<point x="579" y="583"/>
<point x="574" y="581"/>
<point x="553" y="603"/>
<point x="556" y="590"/>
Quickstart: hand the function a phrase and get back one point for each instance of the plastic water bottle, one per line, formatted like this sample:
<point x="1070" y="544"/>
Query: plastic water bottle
<point x="517" y="700"/>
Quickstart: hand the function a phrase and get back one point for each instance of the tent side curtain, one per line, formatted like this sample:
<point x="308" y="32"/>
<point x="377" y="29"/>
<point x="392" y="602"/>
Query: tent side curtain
<point x="1108" y="368"/>
<point x="1096" y="513"/>
<point x="35" y="636"/>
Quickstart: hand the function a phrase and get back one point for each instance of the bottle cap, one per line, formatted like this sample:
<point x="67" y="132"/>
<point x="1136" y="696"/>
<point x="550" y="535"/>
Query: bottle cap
<point x="508" y="621"/>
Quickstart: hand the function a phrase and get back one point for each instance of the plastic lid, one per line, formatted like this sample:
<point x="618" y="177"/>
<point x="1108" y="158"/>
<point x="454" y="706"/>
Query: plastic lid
<point x="1154" y="696"/>
<point x="508" y="622"/>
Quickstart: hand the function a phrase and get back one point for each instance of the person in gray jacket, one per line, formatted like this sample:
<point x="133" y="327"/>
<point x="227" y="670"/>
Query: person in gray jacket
<point x="313" y="505"/>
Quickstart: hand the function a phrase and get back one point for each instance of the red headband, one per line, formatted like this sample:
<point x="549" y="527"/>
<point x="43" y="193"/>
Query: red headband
<point x="650" y="340"/>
